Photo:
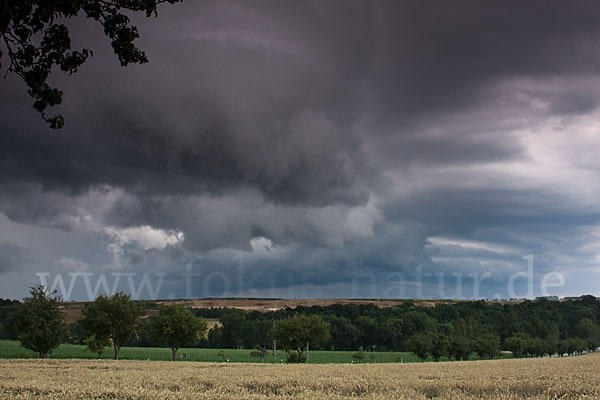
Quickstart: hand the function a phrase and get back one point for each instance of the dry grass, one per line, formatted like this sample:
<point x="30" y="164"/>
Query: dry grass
<point x="74" y="309"/>
<point x="564" y="378"/>
<point x="279" y="304"/>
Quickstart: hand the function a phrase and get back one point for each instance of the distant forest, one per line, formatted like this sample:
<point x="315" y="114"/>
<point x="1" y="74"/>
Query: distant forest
<point x="534" y="328"/>
<point x="526" y="328"/>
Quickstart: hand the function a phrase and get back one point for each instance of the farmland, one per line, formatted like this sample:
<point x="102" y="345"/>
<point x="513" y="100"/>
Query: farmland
<point x="564" y="378"/>
<point x="13" y="349"/>
<point x="72" y="309"/>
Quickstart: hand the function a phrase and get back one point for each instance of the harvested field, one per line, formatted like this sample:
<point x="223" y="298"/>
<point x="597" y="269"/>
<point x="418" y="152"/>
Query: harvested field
<point x="556" y="378"/>
<point x="278" y="304"/>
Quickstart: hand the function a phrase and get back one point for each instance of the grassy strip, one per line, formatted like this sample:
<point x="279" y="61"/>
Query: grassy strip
<point x="13" y="349"/>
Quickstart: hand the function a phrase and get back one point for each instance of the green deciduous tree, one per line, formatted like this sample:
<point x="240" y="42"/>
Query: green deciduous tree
<point x="38" y="320"/>
<point x="112" y="319"/>
<point x="419" y="344"/>
<point x="95" y="345"/>
<point x="367" y="326"/>
<point x="233" y="324"/>
<point x="576" y="345"/>
<point x="344" y="334"/>
<point x="36" y="40"/>
<point x="175" y="326"/>
<point x="439" y="345"/>
<point x="460" y="347"/>
<point x="417" y="322"/>
<point x="519" y="344"/>
<point x="487" y="345"/>
<point x="300" y="331"/>
<point x="588" y="330"/>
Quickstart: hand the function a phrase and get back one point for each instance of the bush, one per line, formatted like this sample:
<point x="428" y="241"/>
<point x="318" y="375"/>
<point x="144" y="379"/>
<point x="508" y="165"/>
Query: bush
<point x="295" y="358"/>
<point x="359" y="355"/>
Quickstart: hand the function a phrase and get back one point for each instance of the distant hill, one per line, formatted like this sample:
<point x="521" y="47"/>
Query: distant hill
<point x="73" y="309"/>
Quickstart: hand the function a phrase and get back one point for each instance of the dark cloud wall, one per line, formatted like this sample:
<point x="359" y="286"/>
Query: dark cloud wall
<point x="347" y="134"/>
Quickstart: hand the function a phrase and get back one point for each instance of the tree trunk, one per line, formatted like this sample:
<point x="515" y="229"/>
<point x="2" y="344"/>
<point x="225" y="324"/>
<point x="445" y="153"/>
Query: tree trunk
<point x="174" y="350"/>
<point x="300" y="353"/>
<point x="117" y="348"/>
<point x="43" y="354"/>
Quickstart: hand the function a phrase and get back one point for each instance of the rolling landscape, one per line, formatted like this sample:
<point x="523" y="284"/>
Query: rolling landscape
<point x="74" y="371"/>
<point x="299" y="199"/>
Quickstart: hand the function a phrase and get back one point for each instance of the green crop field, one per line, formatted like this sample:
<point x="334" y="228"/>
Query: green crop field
<point x="13" y="349"/>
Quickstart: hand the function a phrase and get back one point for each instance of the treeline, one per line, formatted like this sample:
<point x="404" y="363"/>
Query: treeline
<point x="39" y="323"/>
<point x="528" y="328"/>
<point x="5" y="310"/>
<point x="533" y="328"/>
<point x="112" y="320"/>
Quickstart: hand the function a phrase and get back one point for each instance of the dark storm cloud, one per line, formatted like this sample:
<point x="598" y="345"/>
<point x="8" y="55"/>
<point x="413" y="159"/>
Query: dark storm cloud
<point x="349" y="132"/>
<point x="269" y="94"/>
<point x="238" y="106"/>
<point x="436" y="58"/>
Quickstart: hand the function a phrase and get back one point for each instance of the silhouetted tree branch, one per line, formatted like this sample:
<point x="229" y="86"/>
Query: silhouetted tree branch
<point x="34" y="42"/>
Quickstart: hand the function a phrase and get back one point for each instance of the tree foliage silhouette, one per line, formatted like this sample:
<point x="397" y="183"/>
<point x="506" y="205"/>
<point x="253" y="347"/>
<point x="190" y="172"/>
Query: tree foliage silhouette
<point x="112" y="319"/>
<point x="35" y="40"/>
<point x="297" y="332"/>
<point x="176" y="326"/>
<point x="39" y="320"/>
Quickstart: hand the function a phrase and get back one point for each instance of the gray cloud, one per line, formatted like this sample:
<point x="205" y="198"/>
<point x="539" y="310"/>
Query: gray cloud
<point x="12" y="257"/>
<point x="348" y="134"/>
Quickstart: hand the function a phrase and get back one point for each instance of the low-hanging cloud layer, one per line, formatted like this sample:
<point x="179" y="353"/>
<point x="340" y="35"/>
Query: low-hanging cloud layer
<point x="315" y="149"/>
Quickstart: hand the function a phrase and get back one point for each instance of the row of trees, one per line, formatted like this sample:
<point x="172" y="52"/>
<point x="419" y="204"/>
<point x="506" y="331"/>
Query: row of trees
<point x="108" y="321"/>
<point x="390" y="329"/>
<point x="522" y="345"/>
<point x="113" y="320"/>
<point x="457" y="346"/>
<point x="447" y="330"/>
<point x="487" y="344"/>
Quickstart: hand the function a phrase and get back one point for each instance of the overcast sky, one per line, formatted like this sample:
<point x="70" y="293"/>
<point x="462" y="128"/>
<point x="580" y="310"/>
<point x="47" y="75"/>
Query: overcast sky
<point x="315" y="149"/>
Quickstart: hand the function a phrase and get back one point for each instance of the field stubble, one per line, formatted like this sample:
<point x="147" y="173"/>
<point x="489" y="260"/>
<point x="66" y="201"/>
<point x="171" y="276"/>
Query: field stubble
<point x="557" y="378"/>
